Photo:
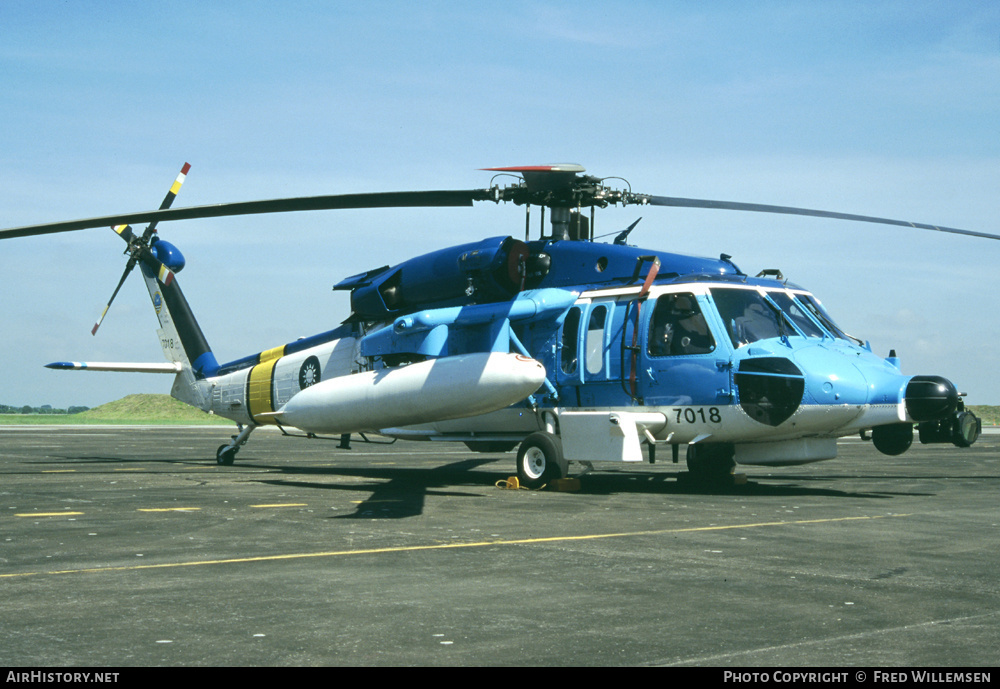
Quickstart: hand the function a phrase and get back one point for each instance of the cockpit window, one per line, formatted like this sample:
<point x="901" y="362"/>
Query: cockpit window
<point x="749" y="316"/>
<point x="795" y="313"/>
<point x="817" y="310"/>
<point x="678" y="327"/>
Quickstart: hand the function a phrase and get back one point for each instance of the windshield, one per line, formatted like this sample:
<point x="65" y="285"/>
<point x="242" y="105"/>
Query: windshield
<point x="817" y="310"/>
<point x="795" y="312"/>
<point x="749" y="316"/>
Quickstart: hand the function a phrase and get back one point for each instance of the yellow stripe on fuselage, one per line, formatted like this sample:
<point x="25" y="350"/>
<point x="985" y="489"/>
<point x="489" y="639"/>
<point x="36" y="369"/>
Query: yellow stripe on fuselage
<point x="259" y="397"/>
<point x="273" y="353"/>
<point x="260" y="385"/>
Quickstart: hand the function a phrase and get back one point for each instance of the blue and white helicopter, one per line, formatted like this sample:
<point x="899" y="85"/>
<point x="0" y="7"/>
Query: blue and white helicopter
<point x="567" y="348"/>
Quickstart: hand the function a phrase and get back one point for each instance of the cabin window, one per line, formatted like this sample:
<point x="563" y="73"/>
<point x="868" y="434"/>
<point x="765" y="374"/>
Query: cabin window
<point x="595" y="339"/>
<point x="749" y="317"/>
<point x="570" y="341"/>
<point x="678" y="327"/>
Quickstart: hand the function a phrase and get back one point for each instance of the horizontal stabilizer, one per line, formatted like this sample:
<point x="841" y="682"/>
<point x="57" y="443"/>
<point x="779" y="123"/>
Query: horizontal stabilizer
<point x="124" y="367"/>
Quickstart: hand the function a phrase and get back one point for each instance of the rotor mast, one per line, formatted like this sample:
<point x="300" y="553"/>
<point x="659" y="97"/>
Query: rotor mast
<point x="564" y="191"/>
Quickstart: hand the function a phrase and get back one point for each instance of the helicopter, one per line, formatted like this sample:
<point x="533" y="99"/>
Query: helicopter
<point x="564" y="347"/>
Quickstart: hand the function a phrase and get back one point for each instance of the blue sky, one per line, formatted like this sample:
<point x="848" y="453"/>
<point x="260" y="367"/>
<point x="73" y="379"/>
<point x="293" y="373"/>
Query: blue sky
<point x="878" y="108"/>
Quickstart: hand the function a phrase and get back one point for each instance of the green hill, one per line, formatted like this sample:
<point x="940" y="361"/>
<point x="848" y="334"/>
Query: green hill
<point x="989" y="415"/>
<point x="146" y="409"/>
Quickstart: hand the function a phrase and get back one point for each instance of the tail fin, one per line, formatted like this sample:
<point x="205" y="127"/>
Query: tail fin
<point x="180" y="335"/>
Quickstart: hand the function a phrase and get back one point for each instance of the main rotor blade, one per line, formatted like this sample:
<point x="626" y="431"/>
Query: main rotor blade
<point x="394" y="199"/>
<point x="789" y="210"/>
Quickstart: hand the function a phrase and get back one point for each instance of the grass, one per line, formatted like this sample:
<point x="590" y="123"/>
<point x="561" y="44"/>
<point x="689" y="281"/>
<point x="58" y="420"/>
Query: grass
<point x="989" y="415"/>
<point x="130" y="410"/>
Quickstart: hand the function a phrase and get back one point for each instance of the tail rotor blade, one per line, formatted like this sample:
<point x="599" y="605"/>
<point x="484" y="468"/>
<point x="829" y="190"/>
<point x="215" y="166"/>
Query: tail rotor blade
<point x="125" y="232"/>
<point x="168" y="200"/>
<point x="128" y="269"/>
<point x="139" y="247"/>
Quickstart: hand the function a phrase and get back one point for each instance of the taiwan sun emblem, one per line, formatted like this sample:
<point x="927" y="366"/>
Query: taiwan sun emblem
<point x="309" y="373"/>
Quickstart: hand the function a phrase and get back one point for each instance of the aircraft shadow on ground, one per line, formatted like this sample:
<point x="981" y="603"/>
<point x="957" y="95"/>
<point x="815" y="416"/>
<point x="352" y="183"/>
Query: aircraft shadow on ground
<point x="395" y="493"/>
<point x="398" y="492"/>
<point x="401" y="492"/>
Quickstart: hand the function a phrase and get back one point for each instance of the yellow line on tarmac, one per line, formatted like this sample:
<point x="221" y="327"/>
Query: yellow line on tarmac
<point x="47" y="514"/>
<point x="283" y="504"/>
<point x="168" y="509"/>
<point x="448" y="546"/>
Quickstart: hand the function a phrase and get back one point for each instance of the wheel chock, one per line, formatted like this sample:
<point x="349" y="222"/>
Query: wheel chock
<point x="510" y="484"/>
<point x="565" y="485"/>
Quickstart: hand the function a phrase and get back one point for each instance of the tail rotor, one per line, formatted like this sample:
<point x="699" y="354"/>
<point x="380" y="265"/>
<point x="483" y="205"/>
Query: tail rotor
<point x="140" y="247"/>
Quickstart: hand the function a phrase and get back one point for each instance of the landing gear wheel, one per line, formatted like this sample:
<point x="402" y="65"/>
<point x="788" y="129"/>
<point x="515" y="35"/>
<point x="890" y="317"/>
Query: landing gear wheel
<point x="966" y="429"/>
<point x="894" y="439"/>
<point x="225" y="455"/>
<point x="540" y="460"/>
<point x="711" y="463"/>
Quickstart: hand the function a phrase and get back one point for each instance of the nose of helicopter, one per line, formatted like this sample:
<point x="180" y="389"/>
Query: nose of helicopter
<point x="870" y="380"/>
<point x="836" y="379"/>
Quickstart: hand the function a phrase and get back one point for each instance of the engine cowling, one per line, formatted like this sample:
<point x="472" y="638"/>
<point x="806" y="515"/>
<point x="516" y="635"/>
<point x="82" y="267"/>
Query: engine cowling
<point x="490" y="270"/>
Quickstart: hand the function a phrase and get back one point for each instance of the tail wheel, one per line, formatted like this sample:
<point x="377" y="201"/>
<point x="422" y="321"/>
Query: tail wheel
<point x="225" y="455"/>
<point x="540" y="460"/>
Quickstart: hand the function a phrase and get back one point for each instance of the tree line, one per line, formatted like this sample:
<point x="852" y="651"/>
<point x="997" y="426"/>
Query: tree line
<point x="44" y="409"/>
